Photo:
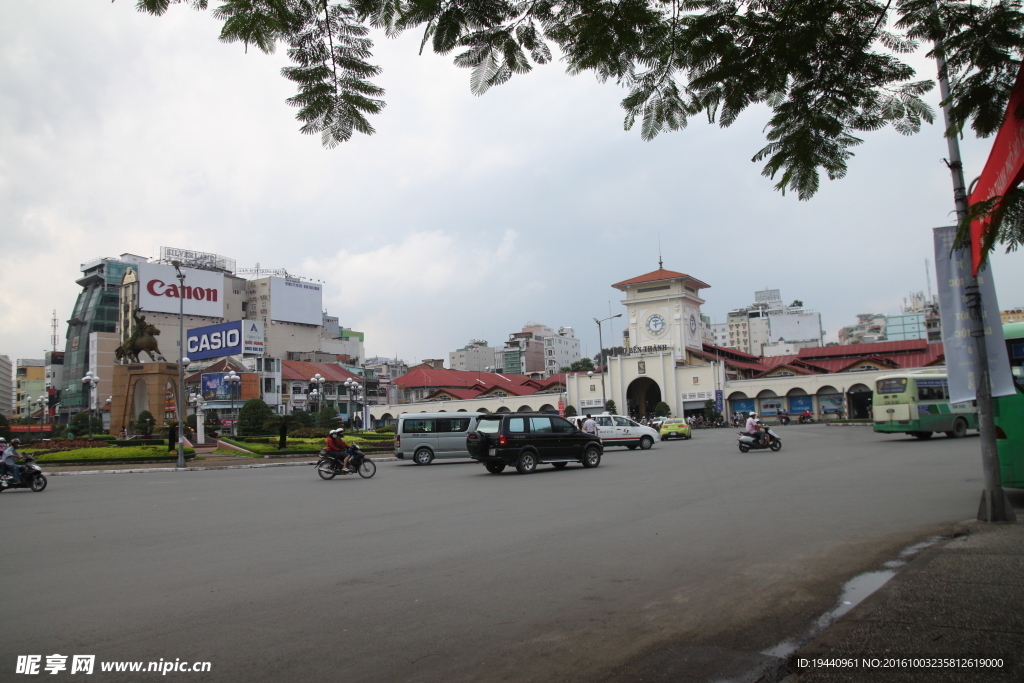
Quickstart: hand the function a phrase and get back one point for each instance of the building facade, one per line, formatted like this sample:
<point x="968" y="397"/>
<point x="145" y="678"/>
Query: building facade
<point x="6" y="387"/>
<point x="30" y="385"/>
<point x="561" y="350"/>
<point x="475" y="356"/>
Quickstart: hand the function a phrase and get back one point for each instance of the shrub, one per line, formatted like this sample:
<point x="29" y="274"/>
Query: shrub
<point x="570" y="411"/>
<point x="252" y="416"/>
<point x="662" y="410"/>
<point x="145" y="423"/>
<point x="386" y="429"/>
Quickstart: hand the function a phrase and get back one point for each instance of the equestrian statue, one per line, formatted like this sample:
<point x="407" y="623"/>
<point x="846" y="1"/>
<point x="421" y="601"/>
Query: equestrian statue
<point x="142" y="338"/>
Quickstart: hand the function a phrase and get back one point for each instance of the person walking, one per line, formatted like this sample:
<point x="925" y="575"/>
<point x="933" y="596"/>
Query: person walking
<point x="589" y="426"/>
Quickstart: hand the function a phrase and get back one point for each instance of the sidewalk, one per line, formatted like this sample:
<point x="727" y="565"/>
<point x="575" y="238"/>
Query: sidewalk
<point x="953" y="609"/>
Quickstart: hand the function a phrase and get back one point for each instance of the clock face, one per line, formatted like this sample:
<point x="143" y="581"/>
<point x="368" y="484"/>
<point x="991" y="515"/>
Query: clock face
<point x="655" y="324"/>
<point x="693" y="324"/>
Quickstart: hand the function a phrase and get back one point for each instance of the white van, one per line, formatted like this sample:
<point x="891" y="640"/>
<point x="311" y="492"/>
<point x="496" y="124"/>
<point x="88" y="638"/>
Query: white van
<point x="425" y="436"/>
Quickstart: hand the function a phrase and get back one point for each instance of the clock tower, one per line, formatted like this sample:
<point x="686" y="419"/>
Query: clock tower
<point x="663" y="309"/>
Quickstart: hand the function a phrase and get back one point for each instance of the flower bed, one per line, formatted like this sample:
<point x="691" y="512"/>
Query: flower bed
<point x="114" y="453"/>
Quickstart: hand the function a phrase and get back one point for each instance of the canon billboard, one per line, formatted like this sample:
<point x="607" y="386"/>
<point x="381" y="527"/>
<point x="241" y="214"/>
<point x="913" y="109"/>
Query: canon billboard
<point x="202" y="293"/>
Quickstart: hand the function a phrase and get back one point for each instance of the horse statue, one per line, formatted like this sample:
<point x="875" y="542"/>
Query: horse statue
<point x="142" y="338"/>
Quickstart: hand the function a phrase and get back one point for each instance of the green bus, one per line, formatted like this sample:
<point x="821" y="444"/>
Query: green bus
<point x="1009" y="412"/>
<point x="917" y="403"/>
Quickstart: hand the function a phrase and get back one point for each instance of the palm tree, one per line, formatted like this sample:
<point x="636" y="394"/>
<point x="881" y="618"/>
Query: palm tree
<point x="283" y="424"/>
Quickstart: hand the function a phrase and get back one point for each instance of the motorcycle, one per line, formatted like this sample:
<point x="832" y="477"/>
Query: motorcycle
<point x="31" y="477"/>
<point x="747" y="442"/>
<point x="332" y="464"/>
<point x="805" y="419"/>
<point x="784" y="419"/>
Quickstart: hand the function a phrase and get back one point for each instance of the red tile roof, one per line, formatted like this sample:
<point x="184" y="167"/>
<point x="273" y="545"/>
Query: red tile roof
<point x="302" y="371"/>
<point x="660" y="274"/>
<point x="435" y="377"/>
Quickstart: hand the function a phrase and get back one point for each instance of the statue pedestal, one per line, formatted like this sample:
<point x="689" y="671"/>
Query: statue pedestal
<point x="142" y="386"/>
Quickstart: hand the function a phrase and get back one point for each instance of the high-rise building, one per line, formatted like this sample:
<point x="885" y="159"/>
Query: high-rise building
<point x="475" y="356"/>
<point x="768" y="322"/>
<point x="6" y="387"/>
<point x="30" y="384"/>
<point x="561" y="349"/>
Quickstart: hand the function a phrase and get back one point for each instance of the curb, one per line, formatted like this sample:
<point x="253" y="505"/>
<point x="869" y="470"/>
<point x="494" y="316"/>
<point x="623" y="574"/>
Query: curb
<point x="195" y="469"/>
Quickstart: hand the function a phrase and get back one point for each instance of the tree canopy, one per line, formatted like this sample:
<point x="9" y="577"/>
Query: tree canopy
<point x="828" y="70"/>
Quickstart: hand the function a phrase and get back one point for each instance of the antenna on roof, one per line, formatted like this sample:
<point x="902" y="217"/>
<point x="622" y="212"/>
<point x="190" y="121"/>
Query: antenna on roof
<point x="660" y="266"/>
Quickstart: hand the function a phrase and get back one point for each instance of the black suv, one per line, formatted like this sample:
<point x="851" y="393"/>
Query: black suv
<point x="526" y="440"/>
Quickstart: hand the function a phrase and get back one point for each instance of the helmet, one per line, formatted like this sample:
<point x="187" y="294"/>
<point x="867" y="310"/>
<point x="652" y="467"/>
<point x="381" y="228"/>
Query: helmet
<point x="15" y="442"/>
<point x="3" y="440"/>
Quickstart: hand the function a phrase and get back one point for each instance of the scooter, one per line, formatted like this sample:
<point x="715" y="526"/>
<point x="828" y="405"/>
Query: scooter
<point x="784" y="419"/>
<point x="805" y="419"/>
<point x="31" y="477"/>
<point x="332" y="464"/>
<point x="747" y="442"/>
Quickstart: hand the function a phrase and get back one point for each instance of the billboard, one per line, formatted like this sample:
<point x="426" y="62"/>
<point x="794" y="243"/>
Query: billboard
<point x="296" y="302"/>
<point x="202" y="293"/>
<point x="225" y="339"/>
<point x="215" y="388"/>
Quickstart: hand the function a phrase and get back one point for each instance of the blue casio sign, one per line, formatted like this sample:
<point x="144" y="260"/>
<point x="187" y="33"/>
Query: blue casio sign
<point x="214" y="341"/>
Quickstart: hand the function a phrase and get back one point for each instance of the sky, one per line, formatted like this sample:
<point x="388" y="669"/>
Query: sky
<point x="462" y="218"/>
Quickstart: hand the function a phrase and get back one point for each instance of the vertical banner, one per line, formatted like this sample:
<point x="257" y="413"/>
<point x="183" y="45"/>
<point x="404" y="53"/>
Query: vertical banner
<point x="953" y="274"/>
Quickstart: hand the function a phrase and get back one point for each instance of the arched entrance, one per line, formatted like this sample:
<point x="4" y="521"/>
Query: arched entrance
<point x="642" y="395"/>
<point x="859" y="398"/>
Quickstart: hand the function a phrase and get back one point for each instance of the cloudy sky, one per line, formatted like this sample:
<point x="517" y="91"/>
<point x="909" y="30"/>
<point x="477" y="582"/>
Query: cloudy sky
<point x="462" y="217"/>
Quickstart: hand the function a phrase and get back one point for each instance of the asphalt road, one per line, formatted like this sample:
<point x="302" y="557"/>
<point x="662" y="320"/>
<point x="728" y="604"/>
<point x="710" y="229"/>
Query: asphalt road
<point x="448" y="573"/>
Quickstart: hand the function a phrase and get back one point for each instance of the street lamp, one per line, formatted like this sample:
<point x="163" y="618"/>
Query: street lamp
<point x="354" y="389"/>
<point x="92" y="379"/>
<point x="197" y="403"/>
<point x="42" y="401"/>
<point x="601" y="356"/>
<point x="233" y="379"/>
<point x="316" y="384"/>
<point x="179" y="397"/>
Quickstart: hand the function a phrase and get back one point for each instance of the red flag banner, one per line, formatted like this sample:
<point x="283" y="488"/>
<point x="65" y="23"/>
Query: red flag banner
<point x="1004" y="169"/>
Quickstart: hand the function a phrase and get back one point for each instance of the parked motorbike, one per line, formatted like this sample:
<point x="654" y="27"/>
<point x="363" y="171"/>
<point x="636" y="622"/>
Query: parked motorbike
<point x="331" y="464"/>
<point x="31" y="477"/>
<point x="747" y="442"/>
<point x="805" y="419"/>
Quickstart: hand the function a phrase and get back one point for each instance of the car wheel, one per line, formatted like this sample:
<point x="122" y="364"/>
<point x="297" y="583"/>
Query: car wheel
<point x="959" y="429"/>
<point x="423" y="456"/>
<point x="663" y="437"/>
<point x="559" y="465"/>
<point x="744" y="448"/>
<point x="592" y="458"/>
<point x="646" y="442"/>
<point x="527" y="463"/>
<point x="495" y="467"/>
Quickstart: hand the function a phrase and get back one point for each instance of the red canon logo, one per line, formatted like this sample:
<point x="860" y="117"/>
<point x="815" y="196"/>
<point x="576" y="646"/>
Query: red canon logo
<point x="158" y="288"/>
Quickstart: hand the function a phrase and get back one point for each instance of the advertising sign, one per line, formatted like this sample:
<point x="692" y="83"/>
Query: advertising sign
<point x="225" y="339"/>
<point x="295" y="301"/>
<point x="798" y="404"/>
<point x="215" y="388"/>
<point x="953" y="272"/>
<point x="202" y="292"/>
<point x="719" y="400"/>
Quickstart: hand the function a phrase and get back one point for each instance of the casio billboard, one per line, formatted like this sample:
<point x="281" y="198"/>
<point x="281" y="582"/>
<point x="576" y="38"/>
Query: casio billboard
<point x="225" y="339"/>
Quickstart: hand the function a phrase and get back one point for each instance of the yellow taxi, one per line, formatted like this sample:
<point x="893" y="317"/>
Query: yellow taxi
<point x="674" y="426"/>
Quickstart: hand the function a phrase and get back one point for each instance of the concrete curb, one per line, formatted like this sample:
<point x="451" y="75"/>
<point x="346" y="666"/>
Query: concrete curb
<point x="196" y="469"/>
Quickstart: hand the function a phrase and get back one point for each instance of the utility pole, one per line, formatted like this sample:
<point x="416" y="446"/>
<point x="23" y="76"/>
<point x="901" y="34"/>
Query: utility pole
<point x="994" y="506"/>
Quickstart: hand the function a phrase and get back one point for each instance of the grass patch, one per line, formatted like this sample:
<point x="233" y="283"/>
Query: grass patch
<point x="111" y="453"/>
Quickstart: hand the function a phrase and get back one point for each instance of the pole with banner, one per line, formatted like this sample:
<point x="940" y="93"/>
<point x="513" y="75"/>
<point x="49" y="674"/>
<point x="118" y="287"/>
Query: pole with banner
<point x="994" y="506"/>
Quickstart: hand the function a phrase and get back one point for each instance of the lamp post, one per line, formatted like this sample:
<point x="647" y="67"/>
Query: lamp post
<point x="600" y="344"/>
<point x="354" y="389"/>
<point x="179" y="398"/>
<point x="42" y="401"/>
<point x="316" y="384"/>
<point x="233" y="379"/>
<point x="91" y="379"/>
<point x="197" y="403"/>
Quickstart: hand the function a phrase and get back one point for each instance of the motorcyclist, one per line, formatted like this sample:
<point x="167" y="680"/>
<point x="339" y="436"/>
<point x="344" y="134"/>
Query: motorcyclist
<point x="12" y="467"/>
<point x="754" y="428"/>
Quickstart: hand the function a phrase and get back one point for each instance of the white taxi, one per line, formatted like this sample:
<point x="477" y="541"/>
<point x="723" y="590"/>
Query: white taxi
<point x="616" y="430"/>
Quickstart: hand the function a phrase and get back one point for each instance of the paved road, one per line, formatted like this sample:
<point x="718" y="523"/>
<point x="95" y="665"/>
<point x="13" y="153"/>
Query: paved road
<point x="447" y="573"/>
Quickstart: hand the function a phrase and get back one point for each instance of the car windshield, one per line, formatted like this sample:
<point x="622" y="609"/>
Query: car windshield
<point x="488" y="426"/>
<point x="673" y="422"/>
